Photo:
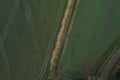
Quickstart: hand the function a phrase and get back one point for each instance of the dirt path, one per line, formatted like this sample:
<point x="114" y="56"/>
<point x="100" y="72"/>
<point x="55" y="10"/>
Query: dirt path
<point x="61" y="34"/>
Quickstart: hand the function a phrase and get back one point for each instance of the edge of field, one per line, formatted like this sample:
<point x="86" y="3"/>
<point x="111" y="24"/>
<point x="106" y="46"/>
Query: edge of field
<point x="106" y="56"/>
<point x="63" y="26"/>
<point x="67" y="30"/>
<point x="45" y="67"/>
<point x="114" y="70"/>
<point x="61" y="34"/>
<point x="53" y="40"/>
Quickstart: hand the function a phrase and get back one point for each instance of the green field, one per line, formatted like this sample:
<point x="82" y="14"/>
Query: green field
<point x="27" y="33"/>
<point x="95" y="29"/>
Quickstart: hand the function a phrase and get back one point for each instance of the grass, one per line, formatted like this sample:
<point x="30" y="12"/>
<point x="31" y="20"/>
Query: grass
<point x="2" y="68"/>
<point x="5" y="11"/>
<point x="61" y="14"/>
<point x="95" y="28"/>
<point x="29" y="36"/>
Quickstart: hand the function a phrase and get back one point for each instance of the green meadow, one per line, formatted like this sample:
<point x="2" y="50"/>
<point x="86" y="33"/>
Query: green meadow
<point x="95" y="29"/>
<point x="27" y="33"/>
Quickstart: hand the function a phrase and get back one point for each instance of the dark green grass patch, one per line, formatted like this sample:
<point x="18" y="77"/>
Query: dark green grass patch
<point x="95" y="28"/>
<point x="28" y="36"/>
<point x="2" y="67"/>
<point x="6" y="9"/>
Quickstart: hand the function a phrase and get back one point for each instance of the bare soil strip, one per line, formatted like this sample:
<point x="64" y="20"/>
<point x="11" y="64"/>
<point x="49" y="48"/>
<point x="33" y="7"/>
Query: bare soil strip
<point x="60" y="34"/>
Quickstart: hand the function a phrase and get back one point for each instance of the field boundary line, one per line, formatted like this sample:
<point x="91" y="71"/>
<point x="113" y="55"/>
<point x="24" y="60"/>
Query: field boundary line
<point x="60" y="35"/>
<point x="46" y="59"/>
<point x="70" y="28"/>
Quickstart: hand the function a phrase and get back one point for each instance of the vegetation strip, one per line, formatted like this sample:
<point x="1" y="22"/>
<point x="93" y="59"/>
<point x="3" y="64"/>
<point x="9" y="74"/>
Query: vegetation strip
<point x="70" y="25"/>
<point x="61" y="11"/>
<point x="44" y="67"/>
<point x="66" y="34"/>
<point x="60" y="35"/>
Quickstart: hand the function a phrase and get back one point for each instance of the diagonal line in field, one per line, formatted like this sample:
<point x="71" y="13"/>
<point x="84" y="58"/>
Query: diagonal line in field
<point x="3" y="36"/>
<point x="4" y="56"/>
<point x="7" y="27"/>
<point x="46" y="59"/>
